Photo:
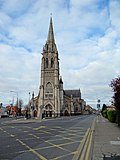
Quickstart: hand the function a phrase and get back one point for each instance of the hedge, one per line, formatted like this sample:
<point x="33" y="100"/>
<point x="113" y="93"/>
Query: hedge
<point x="112" y="115"/>
<point x="104" y="113"/>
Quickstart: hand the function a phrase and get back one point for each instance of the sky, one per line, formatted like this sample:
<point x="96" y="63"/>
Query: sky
<point x="87" y="35"/>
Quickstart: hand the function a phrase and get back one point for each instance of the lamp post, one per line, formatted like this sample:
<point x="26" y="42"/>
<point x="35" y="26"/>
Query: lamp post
<point x="29" y="105"/>
<point x="29" y="102"/>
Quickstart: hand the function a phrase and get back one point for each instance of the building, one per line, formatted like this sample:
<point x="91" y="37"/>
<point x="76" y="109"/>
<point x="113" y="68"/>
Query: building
<point x="52" y="99"/>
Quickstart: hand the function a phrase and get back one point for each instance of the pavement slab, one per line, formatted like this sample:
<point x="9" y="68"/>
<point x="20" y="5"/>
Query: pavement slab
<point x="106" y="140"/>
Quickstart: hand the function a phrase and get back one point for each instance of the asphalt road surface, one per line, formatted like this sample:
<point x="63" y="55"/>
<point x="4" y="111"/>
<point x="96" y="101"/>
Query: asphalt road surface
<point x="51" y="139"/>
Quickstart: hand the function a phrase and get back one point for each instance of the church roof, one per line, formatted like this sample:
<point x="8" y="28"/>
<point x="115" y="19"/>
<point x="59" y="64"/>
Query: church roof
<point x="74" y="93"/>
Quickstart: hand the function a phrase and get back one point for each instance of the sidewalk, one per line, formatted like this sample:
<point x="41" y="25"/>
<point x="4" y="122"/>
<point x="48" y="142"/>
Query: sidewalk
<point x="106" y="139"/>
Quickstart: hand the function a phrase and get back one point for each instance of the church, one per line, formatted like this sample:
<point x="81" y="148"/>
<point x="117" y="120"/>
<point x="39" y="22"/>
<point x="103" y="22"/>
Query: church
<point x="52" y="99"/>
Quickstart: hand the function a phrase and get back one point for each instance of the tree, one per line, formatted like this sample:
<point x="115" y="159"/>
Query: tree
<point x="115" y="84"/>
<point x="104" y="107"/>
<point x="19" y="105"/>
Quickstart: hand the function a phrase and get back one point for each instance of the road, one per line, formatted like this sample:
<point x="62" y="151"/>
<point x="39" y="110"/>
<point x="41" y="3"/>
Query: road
<point x="51" y="139"/>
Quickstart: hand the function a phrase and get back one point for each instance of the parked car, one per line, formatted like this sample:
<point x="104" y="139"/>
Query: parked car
<point x="3" y="111"/>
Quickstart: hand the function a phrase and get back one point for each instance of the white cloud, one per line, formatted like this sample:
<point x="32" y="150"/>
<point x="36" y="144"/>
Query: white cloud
<point x="19" y="69"/>
<point x="16" y="8"/>
<point x="115" y="14"/>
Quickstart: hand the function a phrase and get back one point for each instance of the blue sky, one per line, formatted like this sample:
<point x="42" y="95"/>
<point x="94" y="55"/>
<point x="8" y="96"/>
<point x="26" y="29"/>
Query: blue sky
<point x="87" y="34"/>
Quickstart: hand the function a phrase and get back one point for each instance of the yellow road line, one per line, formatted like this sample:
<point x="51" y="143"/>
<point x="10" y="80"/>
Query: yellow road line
<point x="84" y="150"/>
<point x="12" y="135"/>
<point x="58" y="139"/>
<point x="41" y="127"/>
<point x="76" y="127"/>
<point x="80" y="148"/>
<point x="46" y="132"/>
<point x="87" y="148"/>
<point x="58" y="127"/>
<point x="58" y="146"/>
<point x="63" y="144"/>
<point x="34" y="136"/>
<point x="90" y="141"/>
<point x="32" y="150"/>
<point x="63" y="131"/>
<point x="72" y="134"/>
<point x="76" y="136"/>
<point x="74" y="130"/>
<point x="82" y="156"/>
<point x="26" y="127"/>
<point x="63" y="156"/>
<point x="47" y="147"/>
<point x="52" y="129"/>
<point x="1" y="129"/>
<point x="71" y="138"/>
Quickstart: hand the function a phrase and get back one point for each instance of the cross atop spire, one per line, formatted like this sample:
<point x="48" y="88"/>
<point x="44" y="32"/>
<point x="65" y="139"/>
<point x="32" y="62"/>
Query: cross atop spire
<point x="50" y="33"/>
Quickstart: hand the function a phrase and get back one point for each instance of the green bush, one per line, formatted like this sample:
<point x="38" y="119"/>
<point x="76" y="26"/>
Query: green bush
<point x="104" y="113"/>
<point x="112" y="115"/>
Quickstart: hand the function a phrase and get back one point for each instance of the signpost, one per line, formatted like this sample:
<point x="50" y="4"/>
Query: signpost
<point x="98" y="106"/>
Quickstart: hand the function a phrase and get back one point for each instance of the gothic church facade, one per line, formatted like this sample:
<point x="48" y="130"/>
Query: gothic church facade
<point x="52" y="99"/>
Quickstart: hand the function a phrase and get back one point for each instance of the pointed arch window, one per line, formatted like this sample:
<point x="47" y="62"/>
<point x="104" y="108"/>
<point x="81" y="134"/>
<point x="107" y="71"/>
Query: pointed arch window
<point x="48" y="107"/>
<point x="52" y="62"/>
<point x="49" y="88"/>
<point x="46" y="62"/>
<point x="43" y="62"/>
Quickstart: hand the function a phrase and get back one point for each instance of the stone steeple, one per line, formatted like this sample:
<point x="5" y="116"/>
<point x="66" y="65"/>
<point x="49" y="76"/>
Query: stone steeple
<point x="50" y="45"/>
<point x="50" y="33"/>
<point x="49" y="97"/>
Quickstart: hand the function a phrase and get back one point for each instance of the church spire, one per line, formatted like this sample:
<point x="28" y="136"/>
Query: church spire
<point x="50" y="33"/>
<point x="50" y="46"/>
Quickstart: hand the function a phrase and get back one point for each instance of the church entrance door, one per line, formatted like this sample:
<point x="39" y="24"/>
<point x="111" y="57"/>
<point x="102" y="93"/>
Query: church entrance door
<point x="47" y="114"/>
<point x="48" y="110"/>
<point x="66" y="113"/>
<point x="35" y="113"/>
